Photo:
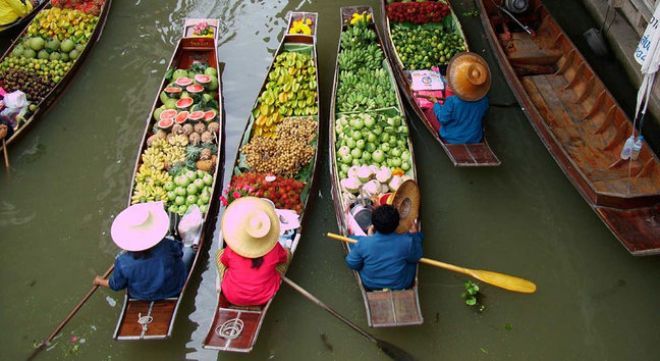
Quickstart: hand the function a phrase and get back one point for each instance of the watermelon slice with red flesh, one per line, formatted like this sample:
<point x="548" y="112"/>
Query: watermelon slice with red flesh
<point x="202" y="79"/>
<point x="173" y="91"/>
<point x="182" y="117"/>
<point x="184" y="103"/>
<point x="183" y="82"/>
<point x="194" y="89"/>
<point x="210" y="115"/>
<point x="196" y="116"/>
<point x="168" y="114"/>
<point x="166" y="123"/>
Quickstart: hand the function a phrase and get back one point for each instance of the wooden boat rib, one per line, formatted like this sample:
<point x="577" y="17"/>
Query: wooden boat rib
<point x="387" y="308"/>
<point x="580" y="123"/>
<point x="59" y="88"/>
<point x="24" y="20"/>
<point x="153" y="320"/>
<point x="461" y="155"/>
<point x="236" y="328"/>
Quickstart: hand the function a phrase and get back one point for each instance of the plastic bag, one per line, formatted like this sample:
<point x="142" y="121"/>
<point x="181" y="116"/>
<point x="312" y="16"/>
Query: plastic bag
<point x="190" y="226"/>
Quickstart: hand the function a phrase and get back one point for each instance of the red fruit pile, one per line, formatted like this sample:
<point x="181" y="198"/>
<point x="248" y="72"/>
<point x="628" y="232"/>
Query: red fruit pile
<point x="87" y="6"/>
<point x="284" y="192"/>
<point x="417" y="12"/>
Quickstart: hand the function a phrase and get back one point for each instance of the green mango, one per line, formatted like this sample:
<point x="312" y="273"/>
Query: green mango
<point x="163" y="97"/>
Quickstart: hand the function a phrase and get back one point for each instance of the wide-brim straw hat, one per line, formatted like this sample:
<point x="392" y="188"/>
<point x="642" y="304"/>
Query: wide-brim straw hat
<point x="140" y="226"/>
<point x="250" y="227"/>
<point x="468" y="76"/>
<point x="406" y="200"/>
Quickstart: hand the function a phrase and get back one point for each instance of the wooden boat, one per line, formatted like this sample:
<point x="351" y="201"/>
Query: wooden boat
<point x="145" y="320"/>
<point x="236" y="328"/>
<point x="461" y="155"/>
<point x="385" y="308"/>
<point x="24" y="20"/>
<point x="579" y="121"/>
<point x="58" y="89"/>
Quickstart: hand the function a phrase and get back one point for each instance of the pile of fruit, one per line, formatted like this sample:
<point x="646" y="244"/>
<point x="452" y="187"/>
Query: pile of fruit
<point x="420" y="12"/>
<point x="87" y="6"/>
<point x="422" y="47"/>
<point x="284" y="192"/>
<point x="290" y="91"/>
<point x="302" y="26"/>
<point x="180" y="157"/>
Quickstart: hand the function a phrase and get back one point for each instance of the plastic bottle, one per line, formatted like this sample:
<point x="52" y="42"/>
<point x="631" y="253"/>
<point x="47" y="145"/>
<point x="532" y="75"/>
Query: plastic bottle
<point x="637" y="147"/>
<point x="627" y="147"/>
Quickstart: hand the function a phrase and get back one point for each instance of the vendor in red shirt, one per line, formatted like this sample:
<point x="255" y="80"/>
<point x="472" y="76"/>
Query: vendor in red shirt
<point x="248" y="265"/>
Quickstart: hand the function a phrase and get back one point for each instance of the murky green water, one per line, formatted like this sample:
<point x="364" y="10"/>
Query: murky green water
<point x="71" y="174"/>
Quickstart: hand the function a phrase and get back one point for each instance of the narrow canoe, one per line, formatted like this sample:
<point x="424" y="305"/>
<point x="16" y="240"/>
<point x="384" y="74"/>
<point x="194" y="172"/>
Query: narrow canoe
<point x="461" y="155"/>
<point x="24" y="20"/>
<point x="580" y="123"/>
<point x="385" y="308"/>
<point x="144" y="320"/>
<point x="236" y="328"/>
<point x="60" y="87"/>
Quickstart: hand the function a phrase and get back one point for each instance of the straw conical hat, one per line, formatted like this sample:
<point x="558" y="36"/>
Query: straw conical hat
<point x="140" y="226"/>
<point x="406" y="201"/>
<point x="468" y="76"/>
<point x="250" y="227"/>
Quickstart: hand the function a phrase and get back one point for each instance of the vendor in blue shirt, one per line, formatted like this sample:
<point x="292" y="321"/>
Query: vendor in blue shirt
<point x="386" y="259"/>
<point x="461" y="115"/>
<point x="153" y="266"/>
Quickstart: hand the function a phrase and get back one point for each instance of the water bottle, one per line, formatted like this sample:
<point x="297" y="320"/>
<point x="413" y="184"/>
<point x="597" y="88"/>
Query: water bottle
<point x="636" y="148"/>
<point x="627" y="147"/>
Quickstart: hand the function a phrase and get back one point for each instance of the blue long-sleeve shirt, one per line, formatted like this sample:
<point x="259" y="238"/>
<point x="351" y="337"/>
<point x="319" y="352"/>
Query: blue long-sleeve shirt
<point x="386" y="260"/>
<point x="461" y="121"/>
<point x="158" y="276"/>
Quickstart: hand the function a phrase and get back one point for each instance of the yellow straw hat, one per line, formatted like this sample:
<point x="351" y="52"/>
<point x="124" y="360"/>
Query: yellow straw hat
<point x="406" y="200"/>
<point x="468" y="76"/>
<point x="250" y="227"/>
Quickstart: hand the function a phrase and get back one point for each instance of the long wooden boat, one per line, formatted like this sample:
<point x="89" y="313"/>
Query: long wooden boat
<point x="236" y="328"/>
<point x="149" y="320"/>
<point x="58" y="89"/>
<point x="24" y="20"/>
<point x="461" y="155"/>
<point x="385" y="308"/>
<point x="579" y="121"/>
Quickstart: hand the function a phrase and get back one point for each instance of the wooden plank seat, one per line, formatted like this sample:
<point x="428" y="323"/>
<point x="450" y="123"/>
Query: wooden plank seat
<point x="394" y="308"/>
<point x="521" y="48"/>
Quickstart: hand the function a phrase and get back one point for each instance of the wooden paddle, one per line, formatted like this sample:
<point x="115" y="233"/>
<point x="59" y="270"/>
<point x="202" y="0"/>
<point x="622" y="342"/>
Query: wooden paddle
<point x="4" y="151"/>
<point x="68" y="318"/>
<point x="511" y="283"/>
<point x="389" y="349"/>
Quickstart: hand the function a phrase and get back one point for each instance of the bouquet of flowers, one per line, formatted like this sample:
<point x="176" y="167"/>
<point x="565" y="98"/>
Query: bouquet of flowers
<point x="203" y="29"/>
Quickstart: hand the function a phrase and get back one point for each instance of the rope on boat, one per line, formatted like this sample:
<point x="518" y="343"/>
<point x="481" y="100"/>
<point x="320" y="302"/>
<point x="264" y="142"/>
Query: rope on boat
<point x="230" y="329"/>
<point x="144" y="321"/>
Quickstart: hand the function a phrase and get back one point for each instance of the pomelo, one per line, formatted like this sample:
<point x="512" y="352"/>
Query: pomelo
<point x="167" y="114"/>
<point x="202" y="79"/>
<point x="196" y="116"/>
<point x="184" y="103"/>
<point x="194" y="89"/>
<point x="210" y="115"/>
<point x="173" y="91"/>
<point x="181" y="117"/>
<point x="183" y="81"/>
<point x="166" y="123"/>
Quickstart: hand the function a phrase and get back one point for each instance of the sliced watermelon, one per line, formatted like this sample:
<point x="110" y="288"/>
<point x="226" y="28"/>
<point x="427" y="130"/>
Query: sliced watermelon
<point x="202" y="79"/>
<point x="184" y="103"/>
<point x="168" y="114"/>
<point x="210" y="115"/>
<point x="173" y="91"/>
<point x="166" y="123"/>
<point x="196" y="116"/>
<point x="194" y="89"/>
<point x="183" y="82"/>
<point x="182" y="117"/>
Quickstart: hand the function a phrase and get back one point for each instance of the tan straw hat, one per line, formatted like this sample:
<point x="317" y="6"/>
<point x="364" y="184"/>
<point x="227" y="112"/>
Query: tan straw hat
<point x="250" y="227"/>
<point x="406" y="200"/>
<point x="468" y="76"/>
<point x="140" y="226"/>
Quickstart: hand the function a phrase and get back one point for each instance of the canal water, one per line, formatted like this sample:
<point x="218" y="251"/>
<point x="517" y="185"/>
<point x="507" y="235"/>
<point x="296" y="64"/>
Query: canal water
<point x="70" y="175"/>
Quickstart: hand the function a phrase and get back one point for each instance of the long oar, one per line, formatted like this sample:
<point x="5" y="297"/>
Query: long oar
<point x="511" y="283"/>
<point x="68" y="318"/>
<point x="390" y="350"/>
<point x="4" y="151"/>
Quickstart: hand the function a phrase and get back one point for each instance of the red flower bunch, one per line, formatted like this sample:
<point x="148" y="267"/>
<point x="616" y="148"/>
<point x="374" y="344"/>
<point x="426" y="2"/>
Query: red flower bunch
<point x="92" y="7"/>
<point x="284" y="192"/>
<point x="417" y="12"/>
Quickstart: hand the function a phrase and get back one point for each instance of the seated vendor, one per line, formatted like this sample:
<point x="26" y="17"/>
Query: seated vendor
<point x="252" y="260"/>
<point x="386" y="259"/>
<point x="461" y="115"/>
<point x="12" y="10"/>
<point x="154" y="267"/>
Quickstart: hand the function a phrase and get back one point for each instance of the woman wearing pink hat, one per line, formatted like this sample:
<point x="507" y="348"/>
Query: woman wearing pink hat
<point x="154" y="267"/>
<point x="250" y="263"/>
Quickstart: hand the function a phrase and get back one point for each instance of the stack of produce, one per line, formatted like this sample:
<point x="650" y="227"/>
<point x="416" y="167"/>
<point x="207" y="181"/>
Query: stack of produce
<point x="420" y="12"/>
<point x="371" y="181"/>
<point x="283" y="192"/>
<point x="290" y="91"/>
<point x="180" y="157"/>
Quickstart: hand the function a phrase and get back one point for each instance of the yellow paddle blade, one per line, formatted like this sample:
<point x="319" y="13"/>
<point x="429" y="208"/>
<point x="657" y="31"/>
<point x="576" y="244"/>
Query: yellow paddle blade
<point x="511" y="283"/>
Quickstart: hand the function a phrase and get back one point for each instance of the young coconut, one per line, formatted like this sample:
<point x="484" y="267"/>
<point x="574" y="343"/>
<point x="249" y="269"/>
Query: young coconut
<point x="207" y="137"/>
<point x="200" y="128"/>
<point x="214" y="127"/>
<point x="187" y="129"/>
<point x="195" y="138"/>
<point x="176" y="129"/>
<point x="161" y="134"/>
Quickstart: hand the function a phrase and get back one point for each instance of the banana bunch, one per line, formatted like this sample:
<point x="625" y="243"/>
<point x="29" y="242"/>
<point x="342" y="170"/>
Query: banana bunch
<point x="178" y="140"/>
<point x="162" y="154"/>
<point x="360" y="18"/>
<point x="145" y="192"/>
<point x="370" y="57"/>
<point x="153" y="176"/>
<point x="357" y="36"/>
<point x="364" y="90"/>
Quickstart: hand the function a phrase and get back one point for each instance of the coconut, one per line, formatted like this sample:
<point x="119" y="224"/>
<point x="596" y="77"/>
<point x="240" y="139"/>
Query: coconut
<point x="207" y="137"/>
<point x="214" y="127"/>
<point x="161" y="134"/>
<point x="176" y="129"/>
<point x="351" y="185"/>
<point x="151" y="140"/>
<point x="187" y="129"/>
<point x="200" y="128"/>
<point x="194" y="138"/>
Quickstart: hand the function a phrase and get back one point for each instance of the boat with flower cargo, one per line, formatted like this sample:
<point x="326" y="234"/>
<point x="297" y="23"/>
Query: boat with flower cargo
<point x="47" y="53"/>
<point x="179" y="162"/>
<point x="277" y="161"/>
<point x="25" y="19"/>
<point x="420" y="39"/>
<point x="579" y="121"/>
<point x="371" y="152"/>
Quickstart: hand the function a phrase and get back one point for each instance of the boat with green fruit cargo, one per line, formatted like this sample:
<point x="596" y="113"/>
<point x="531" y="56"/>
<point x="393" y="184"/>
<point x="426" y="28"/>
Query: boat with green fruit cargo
<point x="24" y="20"/>
<point x="371" y="152"/>
<point x="420" y="39"/>
<point x="47" y="53"/>
<point x="178" y="163"/>
<point x="277" y="161"/>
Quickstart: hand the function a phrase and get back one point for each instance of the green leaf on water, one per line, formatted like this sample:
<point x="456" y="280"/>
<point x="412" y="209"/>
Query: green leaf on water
<point x="483" y="350"/>
<point x="508" y="327"/>
<point x="471" y="301"/>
